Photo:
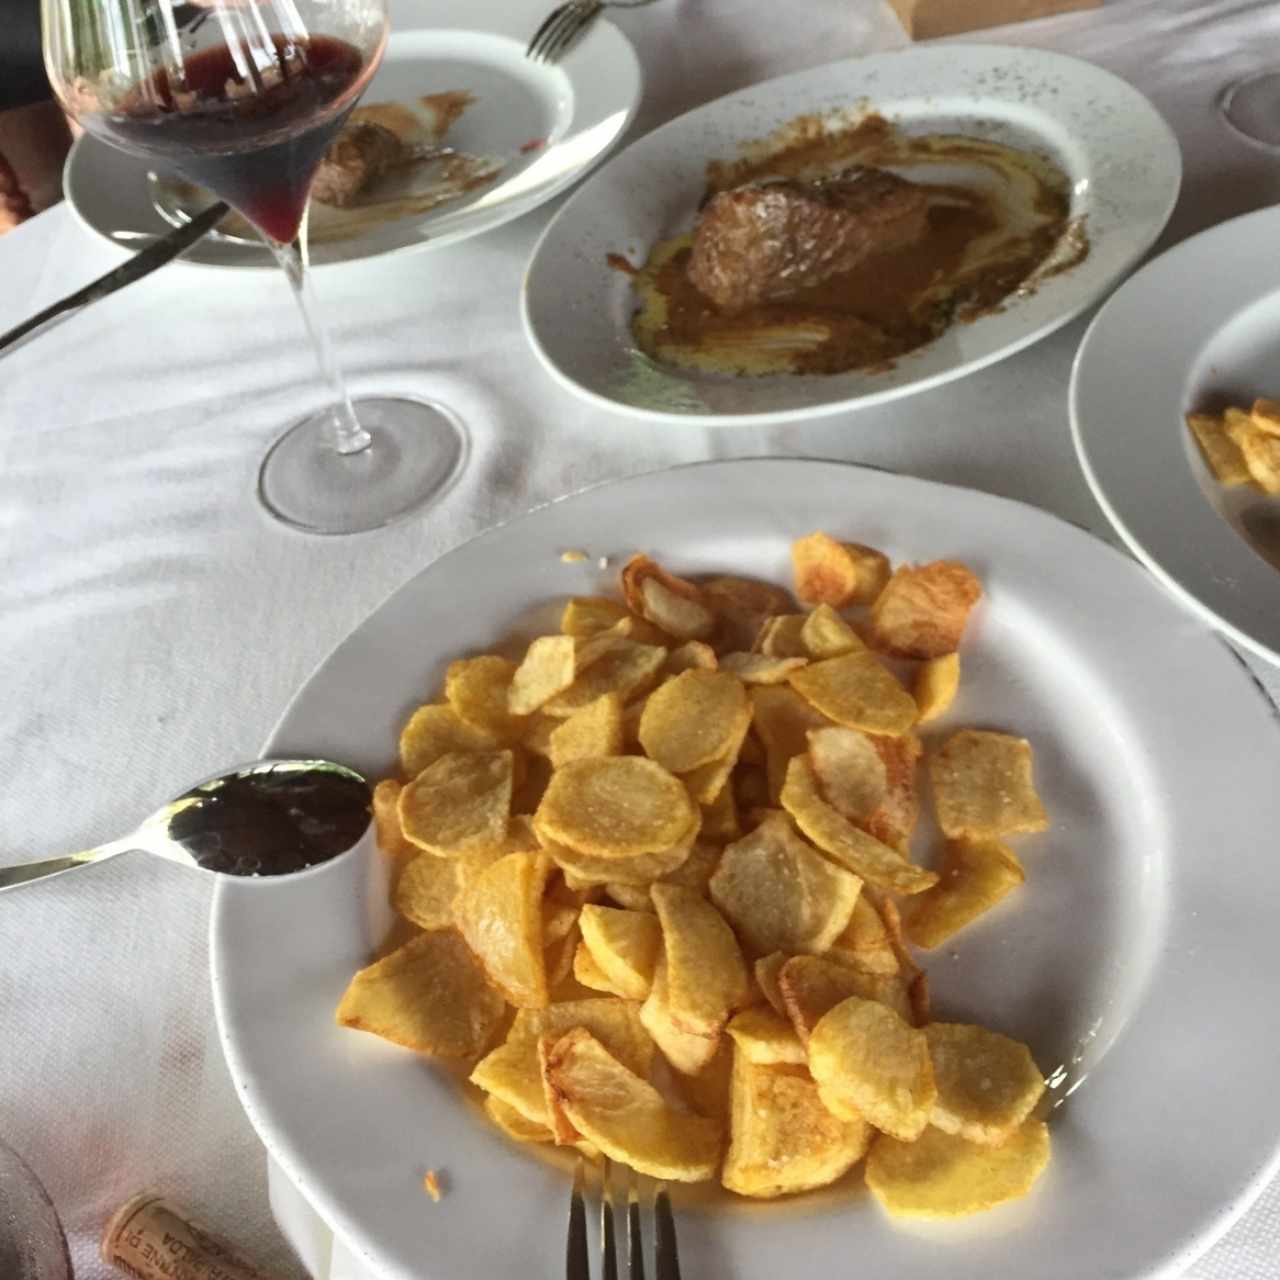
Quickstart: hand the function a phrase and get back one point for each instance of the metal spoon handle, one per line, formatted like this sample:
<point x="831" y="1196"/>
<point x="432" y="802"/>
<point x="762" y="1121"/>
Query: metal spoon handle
<point x="25" y="872"/>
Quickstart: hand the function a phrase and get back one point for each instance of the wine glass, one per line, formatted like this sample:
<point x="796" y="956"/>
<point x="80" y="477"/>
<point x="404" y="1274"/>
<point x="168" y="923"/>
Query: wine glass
<point x="243" y="97"/>
<point x="1252" y="108"/>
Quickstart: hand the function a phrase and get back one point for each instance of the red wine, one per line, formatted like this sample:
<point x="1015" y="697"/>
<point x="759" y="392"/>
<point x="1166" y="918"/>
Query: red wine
<point x="255" y="139"/>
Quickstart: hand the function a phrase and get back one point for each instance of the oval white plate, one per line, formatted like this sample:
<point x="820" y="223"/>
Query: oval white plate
<point x="581" y="106"/>
<point x="1197" y="328"/>
<point x="1140" y="953"/>
<point x="1122" y="160"/>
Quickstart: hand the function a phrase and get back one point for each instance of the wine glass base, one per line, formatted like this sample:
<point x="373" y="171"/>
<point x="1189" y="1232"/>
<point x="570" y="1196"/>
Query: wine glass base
<point x="418" y="448"/>
<point x="1251" y="107"/>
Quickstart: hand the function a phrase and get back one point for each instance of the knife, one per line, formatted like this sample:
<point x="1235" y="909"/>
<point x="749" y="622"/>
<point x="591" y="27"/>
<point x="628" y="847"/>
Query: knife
<point x="143" y="264"/>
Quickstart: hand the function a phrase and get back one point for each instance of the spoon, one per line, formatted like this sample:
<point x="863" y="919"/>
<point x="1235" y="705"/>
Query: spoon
<point x="268" y="818"/>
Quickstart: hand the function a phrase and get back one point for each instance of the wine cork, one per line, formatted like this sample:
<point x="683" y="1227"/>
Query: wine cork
<point x="150" y="1238"/>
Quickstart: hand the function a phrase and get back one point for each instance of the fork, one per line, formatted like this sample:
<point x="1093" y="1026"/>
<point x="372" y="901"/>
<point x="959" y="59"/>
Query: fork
<point x="666" y="1265"/>
<point x="566" y="22"/>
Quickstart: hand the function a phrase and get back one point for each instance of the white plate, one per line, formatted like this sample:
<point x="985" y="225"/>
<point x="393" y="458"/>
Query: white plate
<point x="581" y="105"/>
<point x="1122" y="160"/>
<point x="1141" y="953"/>
<point x="1197" y="328"/>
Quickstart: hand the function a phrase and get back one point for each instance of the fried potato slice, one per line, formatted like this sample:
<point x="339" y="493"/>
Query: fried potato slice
<point x="641" y="870"/>
<point x="426" y="891"/>
<point x="1266" y="415"/>
<point x="862" y="1052"/>
<point x="706" y="974"/>
<point x="873" y="571"/>
<point x="693" y="655"/>
<point x="589" y="974"/>
<point x="811" y="986"/>
<point x="854" y="849"/>
<point x="693" y="719"/>
<point x="708" y="781"/>
<point x="857" y="691"/>
<point x="478" y="690"/>
<point x="513" y="1124"/>
<point x="594" y="731"/>
<point x="781" y="894"/>
<point x="782" y="637"/>
<point x="944" y="1176"/>
<point x="982" y="785"/>
<point x="500" y="915"/>
<point x="826" y="634"/>
<point x="511" y="1071"/>
<point x="430" y="996"/>
<point x="766" y="971"/>
<point x="851" y="773"/>
<point x="616" y="807"/>
<point x="759" y="668"/>
<point x="1261" y="452"/>
<point x="825" y="571"/>
<point x="707" y="1091"/>
<point x="630" y="897"/>
<point x="894" y="818"/>
<point x="626" y="1117"/>
<point x="1221" y="453"/>
<point x="936" y="685"/>
<point x="687" y="1053"/>
<point x="782" y="720"/>
<point x="386" y="820"/>
<point x="782" y="1140"/>
<point x="537" y="734"/>
<point x="625" y="946"/>
<point x="727" y="594"/>
<point x="766" y="1038"/>
<point x="720" y="822"/>
<point x="460" y="804"/>
<point x="589" y="615"/>
<point x="548" y="668"/>
<point x="671" y="603"/>
<point x="628" y="669"/>
<point x="562" y="1128"/>
<point x="922" y="611"/>
<point x="987" y="1083"/>
<point x="975" y="875"/>
<point x="435" y="730"/>
<point x="866" y="943"/>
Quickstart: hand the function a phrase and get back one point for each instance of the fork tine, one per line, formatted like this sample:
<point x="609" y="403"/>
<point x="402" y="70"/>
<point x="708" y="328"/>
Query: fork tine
<point x="635" y="1246"/>
<point x="608" y="1246"/>
<point x="666" y="1264"/>
<point x="565" y="16"/>
<point x="577" y="1265"/>
<point x="582" y="17"/>
<point x="547" y="23"/>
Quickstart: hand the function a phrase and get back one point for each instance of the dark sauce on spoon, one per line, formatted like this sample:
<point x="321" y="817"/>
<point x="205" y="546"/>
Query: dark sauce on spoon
<point x="272" y="822"/>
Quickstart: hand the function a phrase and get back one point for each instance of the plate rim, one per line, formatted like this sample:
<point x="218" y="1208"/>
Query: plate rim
<point x="651" y="414"/>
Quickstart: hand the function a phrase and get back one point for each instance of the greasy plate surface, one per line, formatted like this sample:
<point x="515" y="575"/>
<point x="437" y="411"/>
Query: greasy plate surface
<point x="1147" y="360"/>
<point x="1120" y="156"/>
<point x="581" y="105"/>
<point x="1130" y="958"/>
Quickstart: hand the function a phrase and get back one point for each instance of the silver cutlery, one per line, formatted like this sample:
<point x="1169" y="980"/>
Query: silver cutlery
<point x="666" y="1263"/>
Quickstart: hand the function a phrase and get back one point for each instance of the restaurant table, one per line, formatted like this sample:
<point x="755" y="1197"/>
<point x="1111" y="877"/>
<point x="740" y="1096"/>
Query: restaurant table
<point x="154" y="621"/>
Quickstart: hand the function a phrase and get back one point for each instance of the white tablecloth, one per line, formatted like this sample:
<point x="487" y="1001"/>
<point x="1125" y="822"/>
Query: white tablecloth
<point x="153" y="622"/>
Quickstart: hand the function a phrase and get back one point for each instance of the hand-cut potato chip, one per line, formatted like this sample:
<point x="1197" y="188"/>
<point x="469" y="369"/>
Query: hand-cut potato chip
<point x="766" y="971"/>
<point x="625" y="945"/>
<point x="976" y="874"/>
<point x="751" y="790"/>
<point x="557" y="960"/>
<point x="500" y="915"/>
<point x="864" y="1053"/>
<point x="857" y="691"/>
<point x="513" y="1124"/>
<point x="987" y="1083"/>
<point x="511" y="1071"/>
<point x="766" y="1038"/>
<point x="687" y="1053"/>
<point x="562" y="1129"/>
<point x="782" y="719"/>
<point x="781" y="894"/>
<point x="630" y="897"/>
<point x="936" y="684"/>
<point x="693" y="655"/>
<point x="386" y="820"/>
<point x="827" y="635"/>
<point x="668" y="602"/>
<point x="708" y="781"/>
<point x="759" y="668"/>
<point x="1266" y="415"/>
<point x="894" y="818"/>
<point x="430" y="996"/>
<point x="850" y="771"/>
<point x="434" y="731"/>
<point x="478" y="690"/>
<point x="707" y="1091"/>
<point x="639" y="631"/>
<point x="460" y="804"/>
<point x="982" y="785"/>
<point x="589" y="615"/>
<point x="1222" y="455"/>
<point x="853" y="848"/>
<point x="812" y="986"/>
<point x="825" y="571"/>
<point x="727" y="594"/>
<point x="782" y="636"/>
<point x="589" y="974"/>
<point x="706" y="974"/>
<point x="922" y="611"/>
<point x="943" y="1176"/>
<point x="1261" y="452"/>
<point x="865" y="943"/>
<point x="693" y="719"/>
<point x="643" y="869"/>
<point x="558" y="917"/>
<point x="696" y="870"/>
<point x="616" y="807"/>
<point x="626" y="1117"/>
<point x="537" y="734"/>
<point x="628" y="669"/>
<point x="429" y="886"/>
<point x="782" y="1140"/>
<point x="720" y="818"/>
<point x="548" y="668"/>
<point x="873" y="571"/>
<point x="593" y="731"/>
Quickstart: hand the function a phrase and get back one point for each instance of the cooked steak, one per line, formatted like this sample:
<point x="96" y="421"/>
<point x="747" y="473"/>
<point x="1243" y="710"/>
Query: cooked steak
<point x="769" y="240"/>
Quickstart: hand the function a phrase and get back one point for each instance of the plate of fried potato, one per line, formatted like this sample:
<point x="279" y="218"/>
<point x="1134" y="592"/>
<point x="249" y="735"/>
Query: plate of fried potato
<point x="881" y="865"/>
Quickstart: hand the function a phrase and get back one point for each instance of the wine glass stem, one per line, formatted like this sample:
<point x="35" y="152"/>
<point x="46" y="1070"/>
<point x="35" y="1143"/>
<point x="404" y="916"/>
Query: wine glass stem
<point x="342" y="430"/>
